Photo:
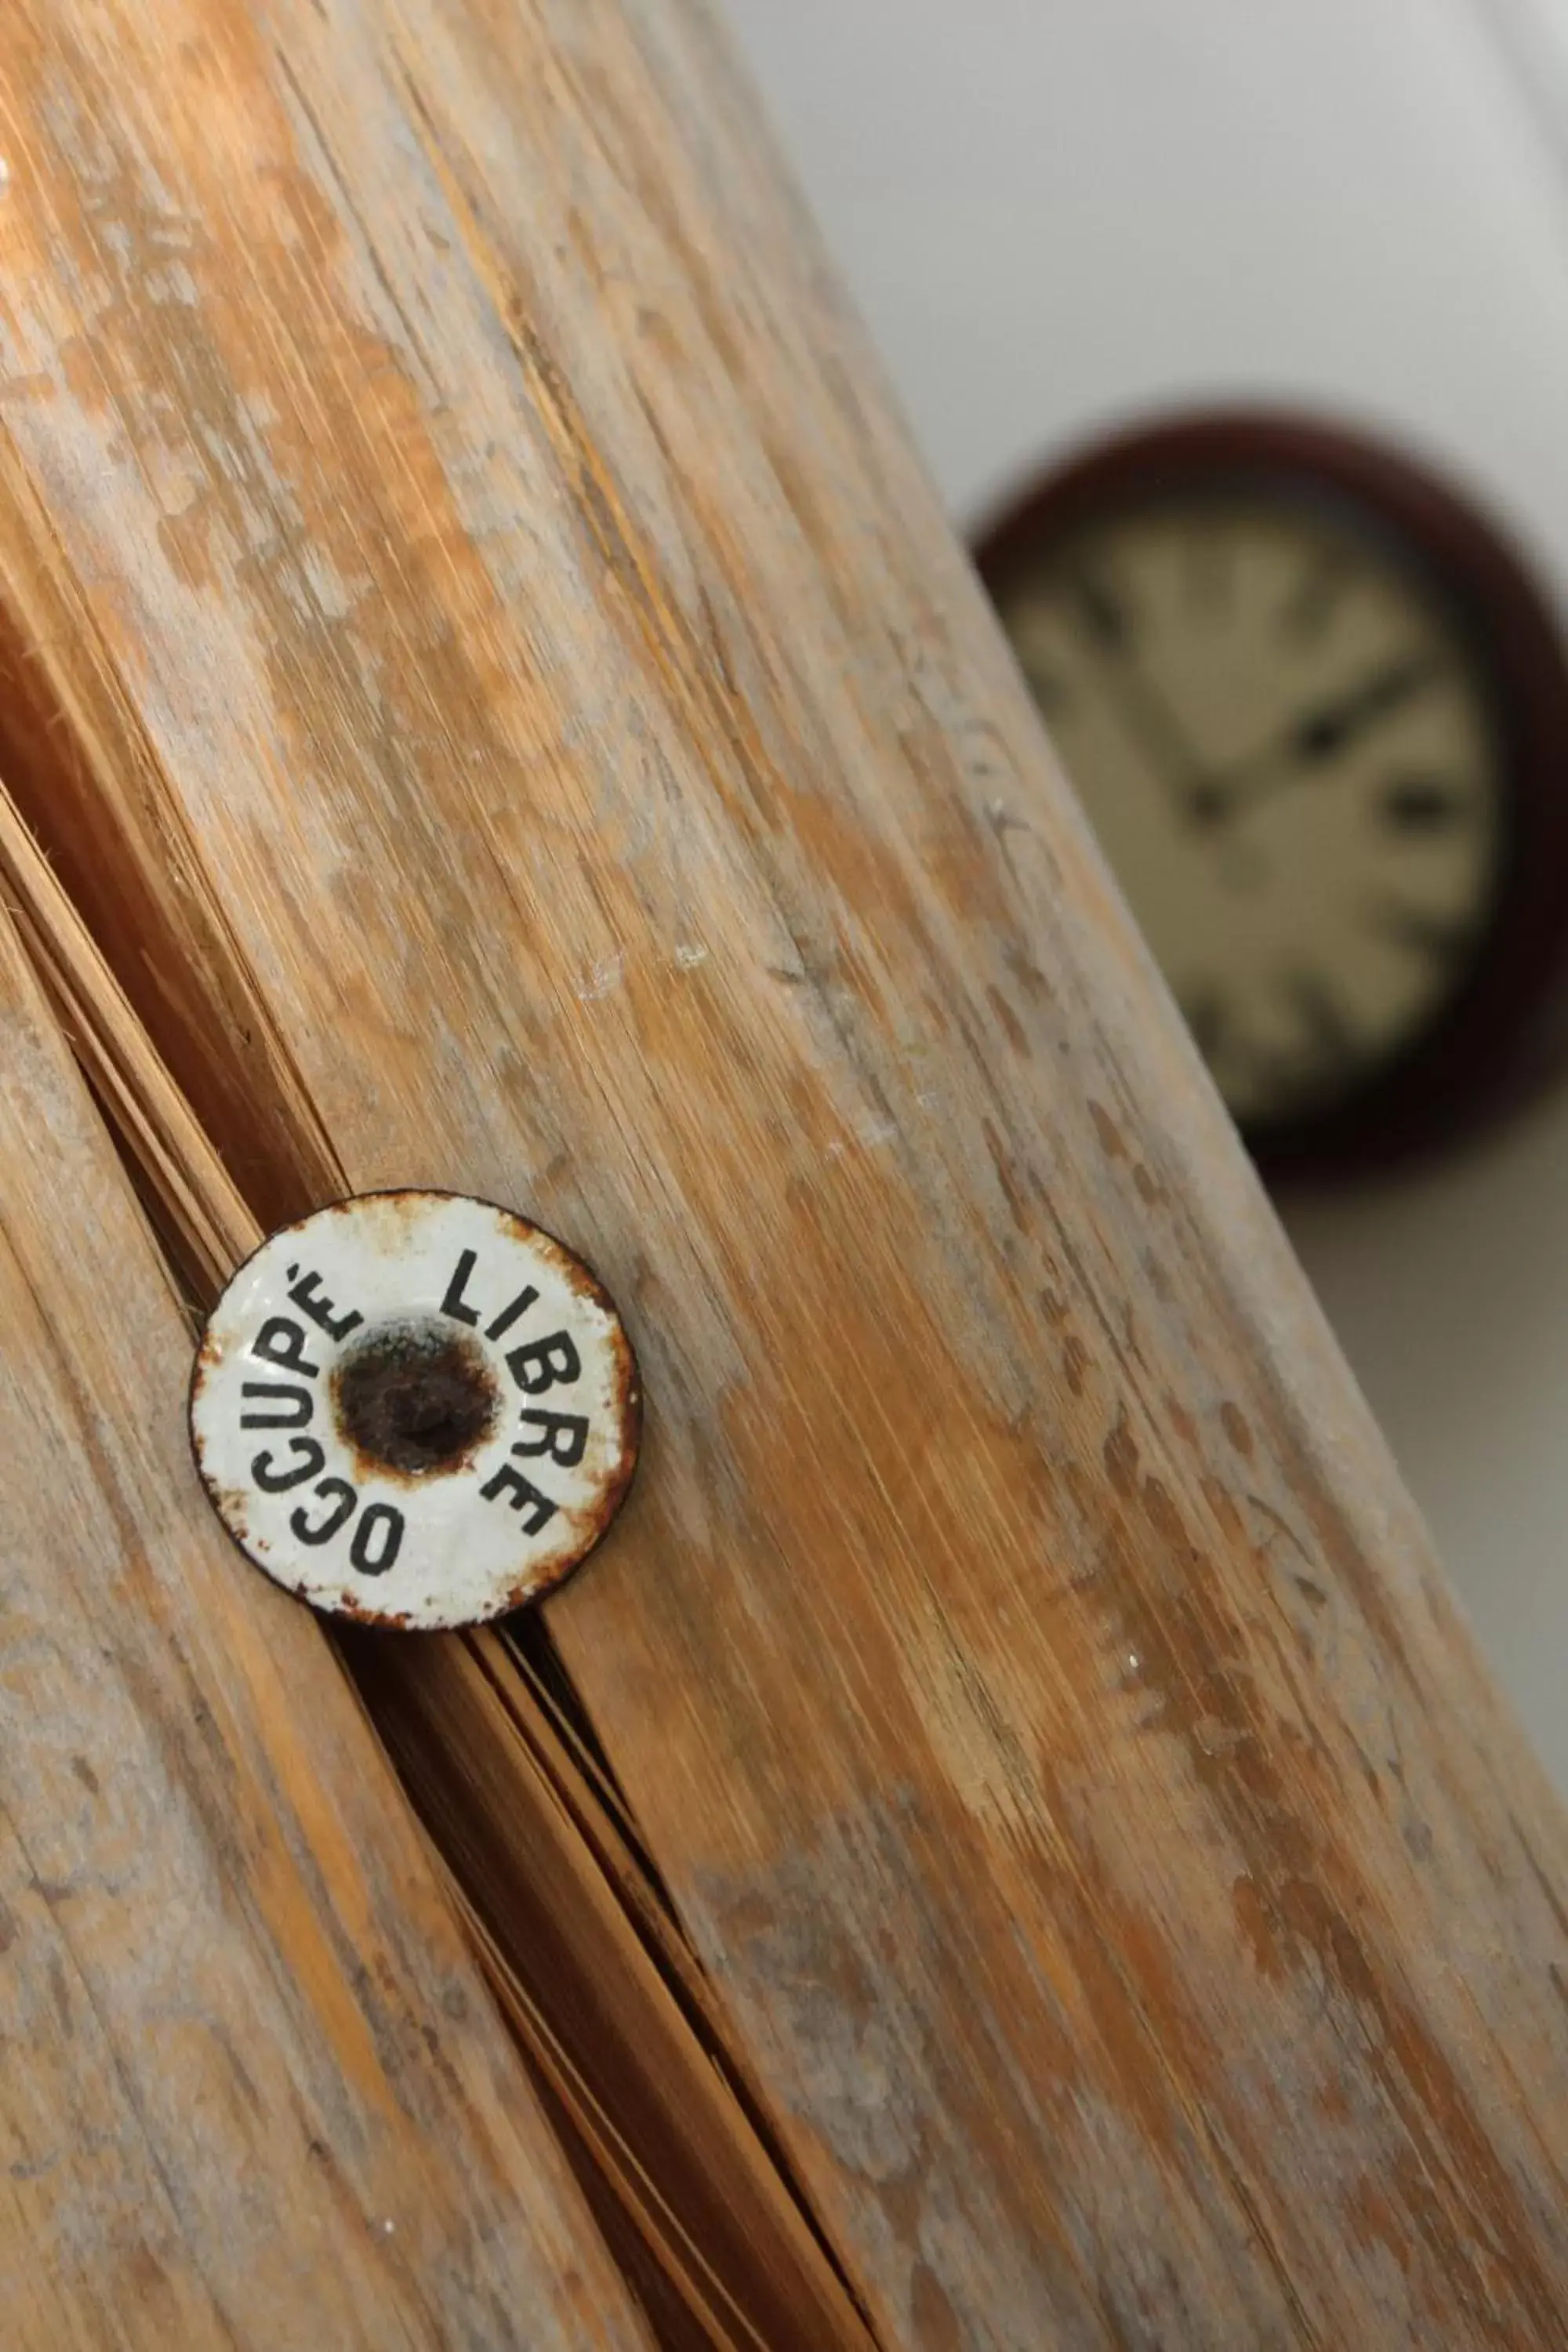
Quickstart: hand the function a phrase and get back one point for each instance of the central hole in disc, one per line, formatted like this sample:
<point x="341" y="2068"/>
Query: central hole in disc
<point x="416" y="1396"/>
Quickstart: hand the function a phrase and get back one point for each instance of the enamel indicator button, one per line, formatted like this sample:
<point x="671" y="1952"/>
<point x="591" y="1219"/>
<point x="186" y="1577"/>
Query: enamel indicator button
<point x="414" y="1409"/>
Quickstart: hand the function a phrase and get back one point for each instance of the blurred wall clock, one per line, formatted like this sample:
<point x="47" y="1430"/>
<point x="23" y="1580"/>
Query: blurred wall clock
<point x="1317" y="714"/>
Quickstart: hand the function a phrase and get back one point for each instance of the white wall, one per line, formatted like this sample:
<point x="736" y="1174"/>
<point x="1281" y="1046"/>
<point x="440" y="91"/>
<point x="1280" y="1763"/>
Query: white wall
<point x="1056" y="213"/>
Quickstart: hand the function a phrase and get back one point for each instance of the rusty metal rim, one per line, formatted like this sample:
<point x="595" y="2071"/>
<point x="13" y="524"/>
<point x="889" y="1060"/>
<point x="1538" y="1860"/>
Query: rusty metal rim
<point x="582" y="1277"/>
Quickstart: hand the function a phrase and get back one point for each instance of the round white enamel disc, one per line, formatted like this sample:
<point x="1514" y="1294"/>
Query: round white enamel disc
<point x="414" y="1409"/>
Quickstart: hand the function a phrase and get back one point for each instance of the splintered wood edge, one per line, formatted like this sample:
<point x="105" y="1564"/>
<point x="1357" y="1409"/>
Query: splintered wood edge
<point x="271" y="1924"/>
<point x="212" y="1230"/>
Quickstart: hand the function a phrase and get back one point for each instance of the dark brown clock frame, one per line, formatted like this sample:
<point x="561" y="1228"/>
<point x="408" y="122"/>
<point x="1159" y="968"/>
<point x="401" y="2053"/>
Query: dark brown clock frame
<point x="1505" y="1030"/>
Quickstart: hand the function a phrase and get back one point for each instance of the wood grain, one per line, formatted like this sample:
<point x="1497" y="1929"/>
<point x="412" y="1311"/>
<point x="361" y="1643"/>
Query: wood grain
<point x="614" y="2016"/>
<point x="533" y="732"/>
<point x="252" y="2092"/>
<point x="617" y="2046"/>
<point x="574" y="1936"/>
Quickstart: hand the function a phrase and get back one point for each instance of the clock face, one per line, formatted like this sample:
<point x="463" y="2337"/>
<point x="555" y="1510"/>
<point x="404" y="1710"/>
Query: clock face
<point x="1292" y="753"/>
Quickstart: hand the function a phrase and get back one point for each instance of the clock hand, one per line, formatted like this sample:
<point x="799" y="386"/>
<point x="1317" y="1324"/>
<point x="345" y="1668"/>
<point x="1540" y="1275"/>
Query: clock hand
<point x="1319" y="735"/>
<point x="1327" y="731"/>
<point x="1153" y="721"/>
<point x="1104" y="621"/>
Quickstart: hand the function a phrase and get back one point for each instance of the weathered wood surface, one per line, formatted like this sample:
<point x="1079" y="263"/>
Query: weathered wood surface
<point x="252" y="2092"/>
<point x="534" y="733"/>
<point x="533" y="1843"/>
<point x="615" y="2042"/>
